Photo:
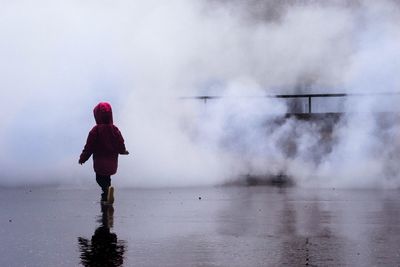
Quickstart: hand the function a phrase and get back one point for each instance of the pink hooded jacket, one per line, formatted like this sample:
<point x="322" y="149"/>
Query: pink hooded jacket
<point x="104" y="141"/>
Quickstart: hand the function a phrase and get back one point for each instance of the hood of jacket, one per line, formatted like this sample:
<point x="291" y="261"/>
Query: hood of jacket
<point x="103" y="113"/>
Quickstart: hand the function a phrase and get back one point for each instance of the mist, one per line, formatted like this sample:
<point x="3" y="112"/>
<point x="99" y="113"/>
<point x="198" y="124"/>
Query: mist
<point x="60" y="58"/>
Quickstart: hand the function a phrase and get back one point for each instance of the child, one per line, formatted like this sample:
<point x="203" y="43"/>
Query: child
<point x="105" y="142"/>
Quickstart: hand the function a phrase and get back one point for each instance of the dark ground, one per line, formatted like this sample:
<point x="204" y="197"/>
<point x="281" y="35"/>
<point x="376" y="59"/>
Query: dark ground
<point x="228" y="226"/>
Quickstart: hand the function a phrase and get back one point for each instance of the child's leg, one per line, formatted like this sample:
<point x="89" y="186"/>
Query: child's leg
<point x="104" y="181"/>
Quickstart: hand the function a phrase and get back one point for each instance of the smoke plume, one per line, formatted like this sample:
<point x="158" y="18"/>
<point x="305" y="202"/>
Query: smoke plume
<point x="60" y="58"/>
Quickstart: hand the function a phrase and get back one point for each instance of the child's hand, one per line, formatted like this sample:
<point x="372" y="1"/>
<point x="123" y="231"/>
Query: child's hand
<point x="80" y="162"/>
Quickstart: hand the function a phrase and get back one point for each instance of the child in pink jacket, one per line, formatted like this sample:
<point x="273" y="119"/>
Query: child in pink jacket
<point x="105" y="142"/>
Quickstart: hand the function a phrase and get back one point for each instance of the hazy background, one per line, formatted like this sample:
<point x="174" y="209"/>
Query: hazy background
<point x="60" y="58"/>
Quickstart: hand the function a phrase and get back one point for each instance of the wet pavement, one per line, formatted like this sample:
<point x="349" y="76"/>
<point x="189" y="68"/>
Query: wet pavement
<point x="223" y="226"/>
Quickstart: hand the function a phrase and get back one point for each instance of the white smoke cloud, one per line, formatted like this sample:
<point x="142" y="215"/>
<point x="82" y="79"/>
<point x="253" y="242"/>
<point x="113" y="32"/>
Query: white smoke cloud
<point x="59" y="58"/>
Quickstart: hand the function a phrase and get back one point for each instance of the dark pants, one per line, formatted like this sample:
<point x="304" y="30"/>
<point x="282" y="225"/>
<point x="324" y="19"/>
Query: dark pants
<point x="104" y="181"/>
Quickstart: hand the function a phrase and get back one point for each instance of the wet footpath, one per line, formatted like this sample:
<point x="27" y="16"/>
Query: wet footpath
<point x="215" y="226"/>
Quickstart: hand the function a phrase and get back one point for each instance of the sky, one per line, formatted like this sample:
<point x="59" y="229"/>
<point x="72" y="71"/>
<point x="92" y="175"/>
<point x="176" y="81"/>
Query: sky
<point x="60" y="58"/>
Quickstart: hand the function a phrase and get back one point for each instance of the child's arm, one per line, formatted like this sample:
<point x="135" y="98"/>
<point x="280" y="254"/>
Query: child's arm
<point x="89" y="147"/>
<point x="121" y="144"/>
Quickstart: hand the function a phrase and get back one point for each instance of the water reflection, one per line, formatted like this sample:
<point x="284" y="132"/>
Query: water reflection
<point x="104" y="248"/>
<point x="307" y="237"/>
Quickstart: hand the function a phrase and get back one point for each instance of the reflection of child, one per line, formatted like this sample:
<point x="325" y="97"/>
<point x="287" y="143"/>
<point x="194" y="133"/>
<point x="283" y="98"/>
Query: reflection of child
<point x="105" y="142"/>
<point x="104" y="249"/>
